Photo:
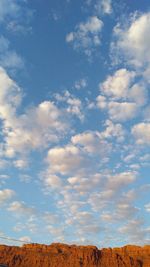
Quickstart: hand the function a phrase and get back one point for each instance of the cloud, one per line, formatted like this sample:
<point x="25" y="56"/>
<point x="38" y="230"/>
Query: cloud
<point x="73" y="105"/>
<point x="52" y="181"/>
<point x="15" y="16"/>
<point x="25" y="239"/>
<point x="119" y="181"/>
<point x="135" y="231"/>
<point x="147" y="207"/>
<point x="9" y="8"/>
<point x="85" y="184"/>
<point x="120" y="213"/>
<point x="122" y="111"/>
<point x="113" y="131"/>
<point x="118" y="111"/>
<point x="20" y="208"/>
<point x="133" y="41"/>
<point x="82" y="83"/>
<point x="21" y="163"/>
<point x="122" y="96"/>
<point x="86" y="36"/>
<point x="8" y="57"/>
<point x="5" y="195"/>
<point x="103" y="6"/>
<point x="122" y="86"/>
<point x="65" y="160"/>
<point x="111" y="190"/>
<point x="92" y="143"/>
<point x="3" y="178"/>
<point x="141" y="132"/>
<point x="39" y="127"/>
<point x="117" y="86"/>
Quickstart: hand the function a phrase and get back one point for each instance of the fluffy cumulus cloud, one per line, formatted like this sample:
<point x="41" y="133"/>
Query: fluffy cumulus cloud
<point x="38" y="127"/>
<point x="141" y="132"/>
<point x="133" y="40"/>
<point x="122" y="96"/>
<point x="66" y="159"/>
<point x="123" y="111"/>
<point x="86" y="36"/>
<point x="118" y="111"/>
<point x="92" y="143"/>
<point x="117" y="86"/>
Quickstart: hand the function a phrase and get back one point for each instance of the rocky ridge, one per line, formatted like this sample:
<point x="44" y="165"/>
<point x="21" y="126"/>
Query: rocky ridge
<point x="62" y="255"/>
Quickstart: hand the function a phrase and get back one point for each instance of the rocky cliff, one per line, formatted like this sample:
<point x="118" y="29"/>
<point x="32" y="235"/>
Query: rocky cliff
<point x="61" y="255"/>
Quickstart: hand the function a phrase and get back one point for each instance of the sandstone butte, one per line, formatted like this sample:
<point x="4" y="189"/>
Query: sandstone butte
<point x="62" y="255"/>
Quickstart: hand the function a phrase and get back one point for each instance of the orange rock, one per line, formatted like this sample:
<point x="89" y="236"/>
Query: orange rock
<point x="62" y="255"/>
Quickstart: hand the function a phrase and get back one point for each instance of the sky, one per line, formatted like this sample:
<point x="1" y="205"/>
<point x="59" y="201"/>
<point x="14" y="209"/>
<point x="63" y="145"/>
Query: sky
<point x="75" y="121"/>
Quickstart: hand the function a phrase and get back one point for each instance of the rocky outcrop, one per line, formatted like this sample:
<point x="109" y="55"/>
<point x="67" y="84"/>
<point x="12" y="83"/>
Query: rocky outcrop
<point x="61" y="255"/>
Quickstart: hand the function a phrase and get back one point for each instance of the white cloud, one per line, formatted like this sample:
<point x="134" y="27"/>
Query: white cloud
<point x="113" y="131"/>
<point x="82" y="83"/>
<point x="57" y="232"/>
<point x="103" y="6"/>
<point x="20" y="208"/>
<point x="117" y="86"/>
<point x="66" y="159"/>
<point x="11" y="60"/>
<point x="122" y="96"/>
<point x="50" y="218"/>
<point x="73" y="105"/>
<point x="121" y="212"/>
<point x="141" y="132"/>
<point x="15" y="16"/>
<point x="25" y="239"/>
<point x="101" y="102"/>
<point x="122" y="85"/>
<point x="8" y="57"/>
<point x="85" y="184"/>
<point x="147" y="207"/>
<point x="122" y="111"/>
<point x="92" y="143"/>
<point x="39" y="127"/>
<point x="10" y="95"/>
<point x="6" y="195"/>
<point x="110" y="191"/>
<point x="21" y="163"/>
<point x="134" y="40"/>
<point x="86" y="36"/>
<point x="135" y="231"/>
<point x="120" y="180"/>
<point x="52" y="181"/>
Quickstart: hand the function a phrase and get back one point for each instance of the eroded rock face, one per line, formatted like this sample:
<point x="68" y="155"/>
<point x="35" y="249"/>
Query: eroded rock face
<point x="61" y="255"/>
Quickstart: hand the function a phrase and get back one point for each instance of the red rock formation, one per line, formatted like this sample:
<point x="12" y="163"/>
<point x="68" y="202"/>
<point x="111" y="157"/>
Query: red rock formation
<point x="61" y="255"/>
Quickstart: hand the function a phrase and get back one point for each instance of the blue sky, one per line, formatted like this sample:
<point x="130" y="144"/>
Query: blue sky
<point x="74" y="121"/>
